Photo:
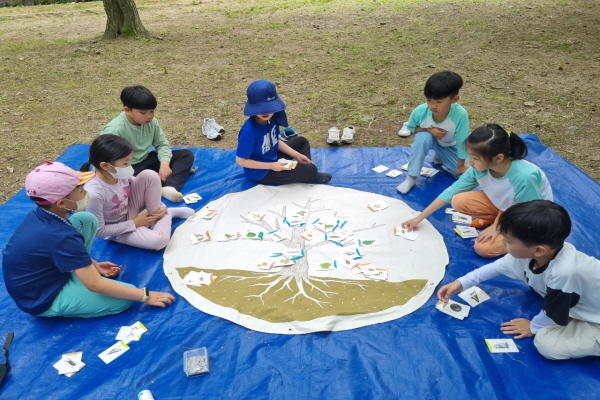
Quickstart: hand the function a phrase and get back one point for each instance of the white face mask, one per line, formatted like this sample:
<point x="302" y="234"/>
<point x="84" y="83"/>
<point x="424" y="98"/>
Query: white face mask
<point x="122" y="173"/>
<point x="81" y="204"/>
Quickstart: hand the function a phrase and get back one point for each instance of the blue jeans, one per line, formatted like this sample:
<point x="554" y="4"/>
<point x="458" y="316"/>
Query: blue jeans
<point x="424" y="142"/>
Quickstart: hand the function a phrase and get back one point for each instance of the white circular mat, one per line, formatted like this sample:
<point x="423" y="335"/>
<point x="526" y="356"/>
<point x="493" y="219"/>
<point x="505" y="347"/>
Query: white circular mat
<point x="318" y="292"/>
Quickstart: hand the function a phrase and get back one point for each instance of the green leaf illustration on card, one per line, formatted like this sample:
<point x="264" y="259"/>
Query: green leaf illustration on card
<point x="325" y="265"/>
<point x="251" y="234"/>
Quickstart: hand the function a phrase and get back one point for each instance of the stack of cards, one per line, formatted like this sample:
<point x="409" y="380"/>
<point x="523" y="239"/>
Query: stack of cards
<point x="460" y="218"/>
<point x="196" y="238"/>
<point x="205" y="213"/>
<point x="400" y="231"/>
<point x="192" y="198"/>
<point x="371" y="272"/>
<point x="474" y="296"/>
<point x="199" y="278"/>
<point x="378" y="205"/>
<point x="454" y="309"/>
<point x="501" y="345"/>
<point x="291" y="164"/>
<point x="69" y="364"/>
<point x="380" y="168"/>
<point x="426" y="172"/>
<point x="466" y="232"/>
<point x="394" y="173"/>
<point x="131" y="333"/>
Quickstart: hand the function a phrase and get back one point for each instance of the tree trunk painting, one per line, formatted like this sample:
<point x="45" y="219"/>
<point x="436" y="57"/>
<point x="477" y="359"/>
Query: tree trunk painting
<point x="122" y="20"/>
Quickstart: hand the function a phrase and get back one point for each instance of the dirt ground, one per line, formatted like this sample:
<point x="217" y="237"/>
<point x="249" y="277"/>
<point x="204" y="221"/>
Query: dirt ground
<point x="532" y="66"/>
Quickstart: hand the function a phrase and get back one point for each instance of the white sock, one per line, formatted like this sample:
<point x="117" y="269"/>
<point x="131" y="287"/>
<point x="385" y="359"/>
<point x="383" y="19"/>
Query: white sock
<point x="181" y="212"/>
<point x="171" y="194"/>
<point x="408" y="183"/>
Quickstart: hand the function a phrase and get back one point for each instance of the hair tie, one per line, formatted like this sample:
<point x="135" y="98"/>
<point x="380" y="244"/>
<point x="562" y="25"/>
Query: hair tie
<point x="509" y="132"/>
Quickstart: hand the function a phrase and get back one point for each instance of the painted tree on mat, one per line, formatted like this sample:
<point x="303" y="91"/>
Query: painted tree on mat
<point x="122" y="19"/>
<point x="307" y="297"/>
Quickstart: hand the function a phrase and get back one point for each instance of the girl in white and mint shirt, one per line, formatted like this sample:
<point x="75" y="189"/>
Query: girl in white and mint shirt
<point x="497" y="165"/>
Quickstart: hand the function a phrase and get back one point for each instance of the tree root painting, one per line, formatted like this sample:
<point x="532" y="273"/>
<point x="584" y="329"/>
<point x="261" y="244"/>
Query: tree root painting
<point x="302" y="296"/>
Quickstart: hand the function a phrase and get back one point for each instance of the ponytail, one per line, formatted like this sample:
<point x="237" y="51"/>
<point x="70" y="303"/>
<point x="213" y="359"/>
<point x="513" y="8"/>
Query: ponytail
<point x="85" y="167"/>
<point x="518" y="148"/>
<point x="491" y="139"/>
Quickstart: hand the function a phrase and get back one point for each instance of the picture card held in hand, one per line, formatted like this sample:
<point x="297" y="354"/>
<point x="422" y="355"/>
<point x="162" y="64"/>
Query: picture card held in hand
<point x="400" y="231"/>
<point x="454" y="309"/>
<point x="474" y="296"/>
<point x="291" y="164"/>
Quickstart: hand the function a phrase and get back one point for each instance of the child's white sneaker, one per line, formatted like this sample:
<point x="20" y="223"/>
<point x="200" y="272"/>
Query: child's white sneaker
<point x="348" y="135"/>
<point x="211" y="129"/>
<point x="404" y="132"/>
<point x="333" y="136"/>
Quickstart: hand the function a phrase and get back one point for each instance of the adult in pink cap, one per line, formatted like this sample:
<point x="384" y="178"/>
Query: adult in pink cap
<point x="46" y="264"/>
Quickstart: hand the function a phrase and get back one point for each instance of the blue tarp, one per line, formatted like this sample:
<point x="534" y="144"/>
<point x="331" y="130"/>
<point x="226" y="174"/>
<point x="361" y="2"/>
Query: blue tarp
<point x="425" y="355"/>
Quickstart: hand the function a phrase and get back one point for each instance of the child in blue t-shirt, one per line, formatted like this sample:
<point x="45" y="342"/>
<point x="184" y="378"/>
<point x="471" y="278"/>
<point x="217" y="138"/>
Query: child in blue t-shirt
<point x="56" y="277"/>
<point x="259" y="147"/>
<point x="441" y="125"/>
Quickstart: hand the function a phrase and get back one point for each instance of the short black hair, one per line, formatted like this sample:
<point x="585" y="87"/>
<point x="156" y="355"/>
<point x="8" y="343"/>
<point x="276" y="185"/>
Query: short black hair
<point x="536" y="222"/>
<point x="442" y="84"/>
<point x="138" y="97"/>
<point x="39" y="199"/>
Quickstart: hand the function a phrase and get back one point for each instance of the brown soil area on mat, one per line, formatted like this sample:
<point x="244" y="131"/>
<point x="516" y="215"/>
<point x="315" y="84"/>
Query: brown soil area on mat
<point x="531" y="66"/>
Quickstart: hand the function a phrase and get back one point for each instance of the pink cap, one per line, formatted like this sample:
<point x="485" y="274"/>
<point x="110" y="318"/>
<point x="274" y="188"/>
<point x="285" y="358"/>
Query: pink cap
<point x="53" y="181"/>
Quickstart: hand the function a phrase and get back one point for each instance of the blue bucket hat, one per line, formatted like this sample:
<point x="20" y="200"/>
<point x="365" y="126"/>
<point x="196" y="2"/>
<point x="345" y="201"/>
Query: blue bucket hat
<point x="263" y="99"/>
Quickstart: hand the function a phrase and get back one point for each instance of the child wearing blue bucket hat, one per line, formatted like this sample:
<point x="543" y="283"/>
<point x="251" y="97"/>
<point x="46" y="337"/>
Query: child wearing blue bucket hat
<point x="259" y="147"/>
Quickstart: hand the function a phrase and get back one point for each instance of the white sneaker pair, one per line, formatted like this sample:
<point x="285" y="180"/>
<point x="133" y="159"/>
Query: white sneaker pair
<point x="333" y="135"/>
<point x="404" y="132"/>
<point x="211" y="129"/>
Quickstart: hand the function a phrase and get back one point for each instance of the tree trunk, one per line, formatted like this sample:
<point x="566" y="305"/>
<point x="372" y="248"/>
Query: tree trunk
<point x="122" y="19"/>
